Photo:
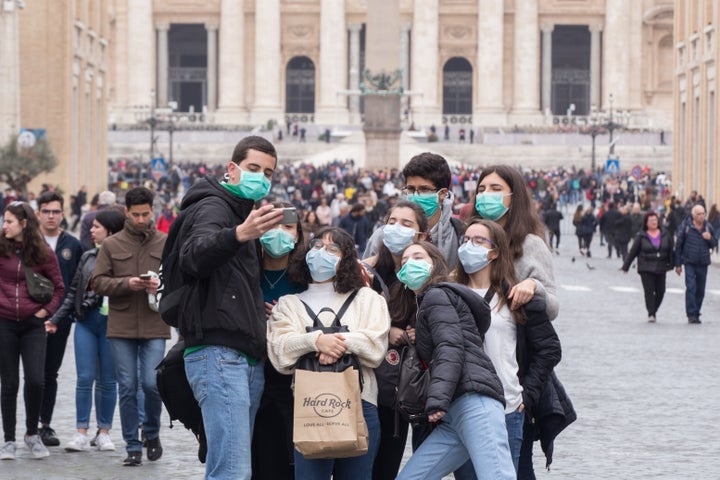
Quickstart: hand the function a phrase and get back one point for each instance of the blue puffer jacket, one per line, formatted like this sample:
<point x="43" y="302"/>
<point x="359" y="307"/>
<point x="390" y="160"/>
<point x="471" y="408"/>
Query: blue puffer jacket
<point x="691" y="247"/>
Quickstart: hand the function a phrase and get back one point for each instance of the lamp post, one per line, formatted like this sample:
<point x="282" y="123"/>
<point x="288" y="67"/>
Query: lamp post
<point x="601" y="121"/>
<point x="152" y="121"/>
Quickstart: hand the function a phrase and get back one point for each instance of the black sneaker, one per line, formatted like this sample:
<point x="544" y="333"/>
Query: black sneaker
<point x="154" y="449"/>
<point x="133" y="459"/>
<point x="48" y="437"/>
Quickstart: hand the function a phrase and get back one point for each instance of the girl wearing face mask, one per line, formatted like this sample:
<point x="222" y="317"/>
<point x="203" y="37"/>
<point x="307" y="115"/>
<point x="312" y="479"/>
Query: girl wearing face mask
<point x="522" y="344"/>
<point x="406" y="222"/>
<point x="502" y="197"/>
<point x="464" y="391"/>
<point x="329" y="268"/>
<point x="272" y="445"/>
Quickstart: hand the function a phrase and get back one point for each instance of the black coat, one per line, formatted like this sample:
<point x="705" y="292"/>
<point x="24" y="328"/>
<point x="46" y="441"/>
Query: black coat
<point x="450" y="340"/>
<point x="650" y="259"/>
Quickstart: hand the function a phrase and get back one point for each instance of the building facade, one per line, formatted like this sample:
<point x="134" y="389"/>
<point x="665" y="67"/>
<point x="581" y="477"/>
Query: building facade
<point x="475" y="62"/>
<point x="63" y="47"/>
<point x="695" y="150"/>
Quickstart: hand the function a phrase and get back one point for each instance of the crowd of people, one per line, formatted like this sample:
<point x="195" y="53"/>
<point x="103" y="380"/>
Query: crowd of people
<point x="379" y="245"/>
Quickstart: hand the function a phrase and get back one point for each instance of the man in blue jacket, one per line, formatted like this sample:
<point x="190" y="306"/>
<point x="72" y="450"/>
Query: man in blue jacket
<point x="695" y="239"/>
<point x="68" y="250"/>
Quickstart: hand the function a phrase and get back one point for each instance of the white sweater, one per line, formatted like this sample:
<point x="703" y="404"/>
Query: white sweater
<point x="367" y="320"/>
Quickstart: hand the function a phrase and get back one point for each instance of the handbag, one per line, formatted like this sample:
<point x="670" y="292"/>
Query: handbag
<point x="40" y="288"/>
<point x="412" y="384"/>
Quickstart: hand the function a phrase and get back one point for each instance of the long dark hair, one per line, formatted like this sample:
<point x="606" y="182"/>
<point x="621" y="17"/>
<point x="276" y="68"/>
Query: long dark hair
<point x="522" y="218"/>
<point x="348" y="276"/>
<point x="33" y="250"/>
<point x="403" y="305"/>
<point x="502" y="273"/>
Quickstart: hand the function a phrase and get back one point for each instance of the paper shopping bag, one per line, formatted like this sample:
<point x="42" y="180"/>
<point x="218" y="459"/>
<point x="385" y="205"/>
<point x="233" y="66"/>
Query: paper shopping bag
<point x="328" y="417"/>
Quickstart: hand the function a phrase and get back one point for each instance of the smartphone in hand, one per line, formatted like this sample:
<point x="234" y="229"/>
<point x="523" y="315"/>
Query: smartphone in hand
<point x="290" y="215"/>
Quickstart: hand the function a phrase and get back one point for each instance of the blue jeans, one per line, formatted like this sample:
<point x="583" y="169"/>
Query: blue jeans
<point x="126" y="355"/>
<point x="695" y="279"/>
<point x="473" y="428"/>
<point x="514" y="425"/>
<point x="93" y="355"/>
<point x="228" y="390"/>
<point x="353" y="468"/>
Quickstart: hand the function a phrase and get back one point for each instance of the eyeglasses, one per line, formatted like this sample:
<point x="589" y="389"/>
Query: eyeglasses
<point x="50" y="212"/>
<point x="331" y="248"/>
<point x="478" y="241"/>
<point x="421" y="190"/>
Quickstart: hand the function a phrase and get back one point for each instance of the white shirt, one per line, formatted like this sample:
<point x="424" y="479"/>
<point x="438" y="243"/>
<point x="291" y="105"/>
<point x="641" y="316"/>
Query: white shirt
<point x="52" y="241"/>
<point x="501" y="346"/>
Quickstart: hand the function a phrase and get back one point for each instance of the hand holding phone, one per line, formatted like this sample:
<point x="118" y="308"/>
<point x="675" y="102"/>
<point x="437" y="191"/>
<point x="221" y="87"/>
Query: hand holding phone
<point x="145" y="276"/>
<point x="290" y="215"/>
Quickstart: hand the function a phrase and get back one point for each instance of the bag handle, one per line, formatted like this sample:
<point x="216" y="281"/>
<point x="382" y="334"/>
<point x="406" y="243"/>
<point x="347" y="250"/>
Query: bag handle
<point x="338" y="315"/>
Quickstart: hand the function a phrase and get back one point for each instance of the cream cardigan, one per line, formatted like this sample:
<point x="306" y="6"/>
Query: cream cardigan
<point x="367" y="320"/>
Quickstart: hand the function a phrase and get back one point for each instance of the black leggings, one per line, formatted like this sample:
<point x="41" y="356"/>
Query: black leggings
<point x="654" y="288"/>
<point x="25" y="339"/>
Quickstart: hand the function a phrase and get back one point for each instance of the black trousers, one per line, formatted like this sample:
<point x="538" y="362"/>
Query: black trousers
<point x="389" y="456"/>
<point x="54" y="354"/>
<point x="26" y="340"/>
<point x="654" y="288"/>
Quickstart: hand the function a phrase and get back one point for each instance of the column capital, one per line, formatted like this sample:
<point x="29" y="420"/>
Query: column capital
<point x="355" y="27"/>
<point x="598" y="27"/>
<point x="547" y="27"/>
<point x="211" y="27"/>
<point x="162" y="26"/>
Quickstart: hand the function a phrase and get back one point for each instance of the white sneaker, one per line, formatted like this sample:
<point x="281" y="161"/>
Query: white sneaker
<point x="7" y="452"/>
<point x="36" y="446"/>
<point x="78" y="443"/>
<point x="104" y="444"/>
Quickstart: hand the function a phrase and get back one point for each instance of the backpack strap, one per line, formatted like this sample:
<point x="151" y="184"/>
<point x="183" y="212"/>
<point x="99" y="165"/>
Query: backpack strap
<point x="338" y="315"/>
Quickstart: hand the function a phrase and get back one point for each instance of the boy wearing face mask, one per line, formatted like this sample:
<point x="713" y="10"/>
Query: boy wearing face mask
<point x="427" y="183"/>
<point x="222" y="317"/>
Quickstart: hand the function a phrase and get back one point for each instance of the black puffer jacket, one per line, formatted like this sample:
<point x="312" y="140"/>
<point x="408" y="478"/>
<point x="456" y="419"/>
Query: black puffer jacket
<point x="224" y="305"/>
<point x="80" y="292"/>
<point x="450" y="340"/>
<point x="651" y="259"/>
<point x="538" y="351"/>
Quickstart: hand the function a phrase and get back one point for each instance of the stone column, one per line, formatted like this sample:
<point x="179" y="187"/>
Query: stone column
<point x="212" y="65"/>
<point x="140" y="48"/>
<point x="526" y="107"/>
<point x="231" y="75"/>
<point x="268" y="62"/>
<point x="547" y="68"/>
<point x="405" y="67"/>
<point x="616" y="65"/>
<point x="162" y="64"/>
<point x="354" y="71"/>
<point x="595" y="64"/>
<point x="489" y="75"/>
<point x="9" y="74"/>
<point x="333" y="64"/>
<point x="425" y="74"/>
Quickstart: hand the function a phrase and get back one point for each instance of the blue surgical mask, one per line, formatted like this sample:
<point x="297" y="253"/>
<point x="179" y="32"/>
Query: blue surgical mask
<point x="253" y="186"/>
<point x="490" y="205"/>
<point x="427" y="201"/>
<point x="397" y="237"/>
<point x="415" y="273"/>
<point x="473" y="257"/>
<point x="322" y="264"/>
<point x="277" y="242"/>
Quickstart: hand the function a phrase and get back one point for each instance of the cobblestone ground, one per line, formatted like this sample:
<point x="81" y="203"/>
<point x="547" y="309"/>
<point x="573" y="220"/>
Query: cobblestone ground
<point x="645" y="393"/>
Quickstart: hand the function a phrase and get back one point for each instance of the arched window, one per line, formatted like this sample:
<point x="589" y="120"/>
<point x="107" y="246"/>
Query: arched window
<point x="300" y="86"/>
<point x="457" y="87"/>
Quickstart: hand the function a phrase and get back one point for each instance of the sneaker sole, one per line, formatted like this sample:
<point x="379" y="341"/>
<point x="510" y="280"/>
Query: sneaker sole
<point x="110" y="448"/>
<point x="75" y="449"/>
<point x="42" y="455"/>
<point x="7" y="457"/>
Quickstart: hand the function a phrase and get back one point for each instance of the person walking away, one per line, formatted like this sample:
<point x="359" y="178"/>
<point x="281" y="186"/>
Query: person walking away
<point x="123" y="273"/>
<point x="23" y="323"/>
<point x="222" y="316"/>
<point x="623" y="232"/>
<point x="577" y="223"/>
<point x="608" y="224"/>
<point x="68" y="251"/>
<point x="552" y="220"/>
<point x="77" y="206"/>
<point x="93" y="355"/>
<point x="588" y="226"/>
<point x="653" y="248"/>
<point x="695" y="238"/>
<point x="714" y="219"/>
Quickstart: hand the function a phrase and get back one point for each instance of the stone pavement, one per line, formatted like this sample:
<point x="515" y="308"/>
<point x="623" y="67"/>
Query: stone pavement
<point x="645" y="393"/>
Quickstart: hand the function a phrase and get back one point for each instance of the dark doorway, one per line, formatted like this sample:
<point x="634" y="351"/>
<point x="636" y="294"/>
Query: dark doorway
<point x="300" y="86"/>
<point x="570" y="69"/>
<point x="187" y="50"/>
<point x="457" y="87"/>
